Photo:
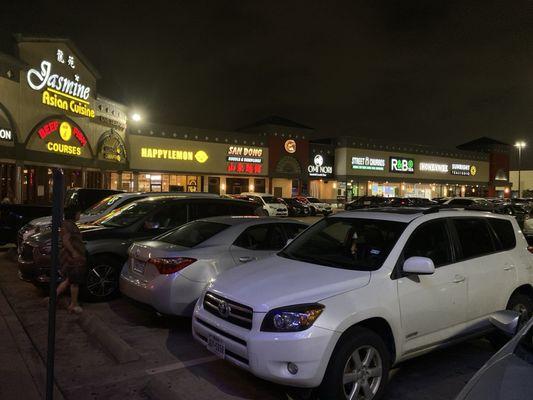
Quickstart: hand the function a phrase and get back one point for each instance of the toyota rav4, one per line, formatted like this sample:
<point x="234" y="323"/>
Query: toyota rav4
<point x="361" y="291"/>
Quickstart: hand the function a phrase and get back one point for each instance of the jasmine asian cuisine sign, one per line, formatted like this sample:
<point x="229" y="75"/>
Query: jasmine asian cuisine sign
<point x="67" y="93"/>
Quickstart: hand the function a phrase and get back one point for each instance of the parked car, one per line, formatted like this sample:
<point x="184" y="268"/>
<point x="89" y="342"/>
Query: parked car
<point x="470" y="202"/>
<point x="296" y="207"/>
<point x="315" y="205"/>
<point x="170" y="271"/>
<point x="410" y="202"/>
<point x="91" y="214"/>
<point x="516" y="211"/>
<point x="13" y="217"/>
<point x="366" y="202"/>
<point x="360" y="291"/>
<point x="526" y="203"/>
<point x="508" y="375"/>
<point x="108" y="239"/>
<point x="272" y="206"/>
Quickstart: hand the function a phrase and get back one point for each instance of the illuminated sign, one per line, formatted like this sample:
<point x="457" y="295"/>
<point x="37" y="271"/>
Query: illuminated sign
<point x="178" y="155"/>
<point x="59" y="91"/>
<point x="464" y="169"/>
<point x="402" y="165"/>
<point x="66" y="132"/>
<point x="244" y="168"/>
<point x="6" y="134"/>
<point x="433" y="167"/>
<point x="245" y="154"/>
<point x="368" y="163"/>
<point x="290" y="146"/>
<point x="319" y="169"/>
<point x="113" y="149"/>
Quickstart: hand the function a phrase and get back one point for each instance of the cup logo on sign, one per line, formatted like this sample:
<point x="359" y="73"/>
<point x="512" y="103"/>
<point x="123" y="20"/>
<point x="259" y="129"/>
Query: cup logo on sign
<point x="65" y="131"/>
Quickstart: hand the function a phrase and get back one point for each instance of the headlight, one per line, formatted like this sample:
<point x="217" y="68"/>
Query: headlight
<point x="292" y="318"/>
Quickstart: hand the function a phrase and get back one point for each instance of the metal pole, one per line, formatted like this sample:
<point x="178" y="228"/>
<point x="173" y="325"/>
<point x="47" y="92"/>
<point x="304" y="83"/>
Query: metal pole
<point x="57" y="216"/>
<point x="519" y="167"/>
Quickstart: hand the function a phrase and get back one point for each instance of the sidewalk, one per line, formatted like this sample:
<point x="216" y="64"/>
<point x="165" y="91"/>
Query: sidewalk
<point x="22" y="372"/>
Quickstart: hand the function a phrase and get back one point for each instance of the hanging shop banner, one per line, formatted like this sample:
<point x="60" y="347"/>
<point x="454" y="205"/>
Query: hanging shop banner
<point x="66" y="92"/>
<point x="402" y="165"/>
<point x="368" y="163"/>
<point x="60" y="136"/>
<point x="464" y="169"/>
<point x="322" y="166"/>
<point x="244" y="160"/>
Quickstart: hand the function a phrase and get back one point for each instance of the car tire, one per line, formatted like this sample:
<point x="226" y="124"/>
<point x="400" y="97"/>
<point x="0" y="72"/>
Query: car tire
<point x="521" y="303"/>
<point x="102" y="279"/>
<point x="361" y="360"/>
<point x="312" y="211"/>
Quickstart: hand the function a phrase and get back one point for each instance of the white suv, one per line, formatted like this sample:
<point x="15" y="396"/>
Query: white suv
<point x="272" y="205"/>
<point x="360" y="291"/>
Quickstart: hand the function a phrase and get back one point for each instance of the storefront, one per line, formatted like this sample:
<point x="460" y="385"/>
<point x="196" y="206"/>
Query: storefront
<point x="50" y="116"/>
<point x="320" y="169"/>
<point x="179" y="159"/>
<point x="392" y="171"/>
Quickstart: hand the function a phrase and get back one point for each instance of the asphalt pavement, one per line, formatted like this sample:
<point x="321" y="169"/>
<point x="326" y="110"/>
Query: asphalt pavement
<point x="117" y="350"/>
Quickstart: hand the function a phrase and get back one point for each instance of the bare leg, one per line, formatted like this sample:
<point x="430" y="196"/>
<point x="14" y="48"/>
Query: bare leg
<point x="74" y="293"/>
<point x="62" y="287"/>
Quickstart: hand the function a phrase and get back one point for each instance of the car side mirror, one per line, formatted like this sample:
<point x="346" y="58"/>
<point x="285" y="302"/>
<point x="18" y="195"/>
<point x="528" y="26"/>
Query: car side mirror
<point x="151" y="225"/>
<point x="419" y="266"/>
<point x="506" y="321"/>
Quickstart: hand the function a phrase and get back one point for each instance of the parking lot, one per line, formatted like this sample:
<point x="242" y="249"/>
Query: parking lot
<point x="118" y="350"/>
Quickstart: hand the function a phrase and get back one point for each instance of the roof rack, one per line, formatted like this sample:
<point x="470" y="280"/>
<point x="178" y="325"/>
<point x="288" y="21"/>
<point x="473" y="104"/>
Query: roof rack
<point x="438" y="207"/>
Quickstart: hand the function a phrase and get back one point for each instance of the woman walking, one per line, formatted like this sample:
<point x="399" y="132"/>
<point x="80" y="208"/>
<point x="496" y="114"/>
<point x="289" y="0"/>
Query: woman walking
<point x="72" y="258"/>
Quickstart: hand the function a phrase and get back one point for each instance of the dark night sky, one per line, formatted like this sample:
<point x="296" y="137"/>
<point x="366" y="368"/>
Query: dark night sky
<point x="432" y="72"/>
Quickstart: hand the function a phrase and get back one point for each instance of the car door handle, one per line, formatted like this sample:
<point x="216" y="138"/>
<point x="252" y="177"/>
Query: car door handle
<point x="458" y="279"/>
<point x="246" y="259"/>
<point x="508" y="267"/>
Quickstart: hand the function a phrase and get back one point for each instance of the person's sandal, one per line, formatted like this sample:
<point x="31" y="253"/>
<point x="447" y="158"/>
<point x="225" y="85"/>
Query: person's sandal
<point x="75" y="310"/>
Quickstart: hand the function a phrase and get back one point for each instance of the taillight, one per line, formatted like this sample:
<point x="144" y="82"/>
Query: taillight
<point x="167" y="266"/>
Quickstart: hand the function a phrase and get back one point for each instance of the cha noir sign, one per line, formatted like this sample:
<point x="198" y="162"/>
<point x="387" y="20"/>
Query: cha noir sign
<point x="402" y="165"/>
<point x="368" y="163"/>
<point x="59" y="91"/>
<point x="319" y="169"/>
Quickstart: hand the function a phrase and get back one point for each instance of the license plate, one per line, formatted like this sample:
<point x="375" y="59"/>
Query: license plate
<point x="138" y="266"/>
<point x="215" y="345"/>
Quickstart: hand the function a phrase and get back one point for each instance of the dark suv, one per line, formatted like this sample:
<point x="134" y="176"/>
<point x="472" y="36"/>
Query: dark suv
<point x="107" y="240"/>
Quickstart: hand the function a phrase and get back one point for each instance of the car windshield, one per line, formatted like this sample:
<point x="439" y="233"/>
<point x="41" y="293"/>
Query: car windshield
<point x="128" y="215"/>
<point x="102" y="205"/>
<point x="271" y="199"/>
<point x="193" y="233"/>
<point x="350" y="243"/>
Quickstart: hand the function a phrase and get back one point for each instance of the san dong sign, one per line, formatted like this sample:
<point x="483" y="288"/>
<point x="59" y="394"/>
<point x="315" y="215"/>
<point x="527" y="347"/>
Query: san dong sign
<point x="244" y="160"/>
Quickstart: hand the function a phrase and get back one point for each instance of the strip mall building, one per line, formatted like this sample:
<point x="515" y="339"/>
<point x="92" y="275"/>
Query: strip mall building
<point x="51" y="115"/>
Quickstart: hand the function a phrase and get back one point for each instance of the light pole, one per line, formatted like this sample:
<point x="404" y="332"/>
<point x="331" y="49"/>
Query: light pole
<point x="519" y="145"/>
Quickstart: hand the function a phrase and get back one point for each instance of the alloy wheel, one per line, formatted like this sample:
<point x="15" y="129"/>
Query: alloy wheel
<point x="523" y="314"/>
<point x="101" y="280"/>
<point x="363" y="373"/>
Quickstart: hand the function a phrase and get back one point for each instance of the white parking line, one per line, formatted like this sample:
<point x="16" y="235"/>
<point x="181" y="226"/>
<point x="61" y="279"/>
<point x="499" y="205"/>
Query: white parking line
<point x="181" y="365"/>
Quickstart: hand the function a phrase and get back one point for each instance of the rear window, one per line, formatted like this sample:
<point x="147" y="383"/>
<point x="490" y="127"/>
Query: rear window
<point x="193" y="233"/>
<point x="505" y="233"/>
<point x="474" y="237"/>
<point x="349" y="243"/>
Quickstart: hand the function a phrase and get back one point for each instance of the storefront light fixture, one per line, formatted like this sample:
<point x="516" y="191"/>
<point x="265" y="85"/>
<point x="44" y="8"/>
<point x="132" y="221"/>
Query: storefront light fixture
<point x="222" y="186"/>
<point x="252" y="188"/>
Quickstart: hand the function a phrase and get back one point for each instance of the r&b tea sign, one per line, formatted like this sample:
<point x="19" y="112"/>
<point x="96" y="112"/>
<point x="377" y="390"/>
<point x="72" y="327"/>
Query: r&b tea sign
<point x="402" y="165"/>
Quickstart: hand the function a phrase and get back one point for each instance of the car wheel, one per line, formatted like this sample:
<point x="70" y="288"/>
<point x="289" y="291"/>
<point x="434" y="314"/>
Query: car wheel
<point x="358" y="369"/>
<point x="312" y="211"/>
<point x="102" y="279"/>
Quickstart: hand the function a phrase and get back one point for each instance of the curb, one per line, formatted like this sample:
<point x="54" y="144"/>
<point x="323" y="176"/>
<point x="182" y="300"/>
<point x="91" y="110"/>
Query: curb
<point x="114" y="344"/>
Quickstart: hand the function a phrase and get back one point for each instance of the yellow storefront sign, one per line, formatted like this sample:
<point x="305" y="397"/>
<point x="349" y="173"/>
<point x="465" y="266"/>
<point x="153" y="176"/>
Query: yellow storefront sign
<point x="62" y="101"/>
<point x="179" y="155"/>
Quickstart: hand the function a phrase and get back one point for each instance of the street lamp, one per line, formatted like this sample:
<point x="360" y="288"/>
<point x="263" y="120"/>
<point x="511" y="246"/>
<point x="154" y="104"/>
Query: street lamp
<point x="136" y="117"/>
<point x="519" y="145"/>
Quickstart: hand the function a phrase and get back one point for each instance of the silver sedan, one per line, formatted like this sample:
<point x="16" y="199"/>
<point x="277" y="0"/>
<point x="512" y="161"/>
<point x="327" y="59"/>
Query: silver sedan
<point x="170" y="271"/>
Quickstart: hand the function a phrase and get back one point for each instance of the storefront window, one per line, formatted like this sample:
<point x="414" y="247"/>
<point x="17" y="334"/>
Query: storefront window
<point x="154" y="182"/>
<point x="7" y="183"/>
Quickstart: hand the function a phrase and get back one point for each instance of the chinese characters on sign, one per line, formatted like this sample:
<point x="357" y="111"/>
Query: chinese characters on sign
<point x="244" y="160"/>
<point x="244" y="168"/>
